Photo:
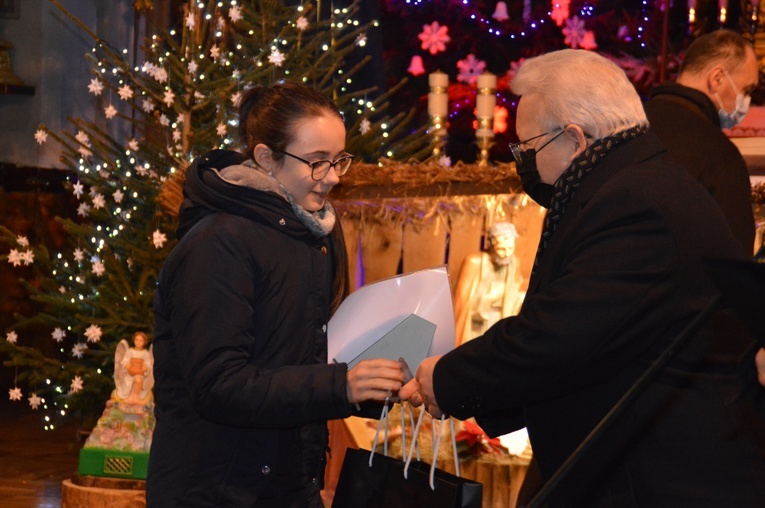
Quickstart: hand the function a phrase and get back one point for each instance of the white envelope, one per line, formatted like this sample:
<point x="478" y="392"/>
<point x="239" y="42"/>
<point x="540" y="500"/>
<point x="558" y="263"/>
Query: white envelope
<point x="374" y="310"/>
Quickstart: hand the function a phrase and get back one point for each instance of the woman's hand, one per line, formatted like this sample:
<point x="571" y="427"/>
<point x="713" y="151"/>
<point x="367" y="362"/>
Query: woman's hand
<point x="376" y="380"/>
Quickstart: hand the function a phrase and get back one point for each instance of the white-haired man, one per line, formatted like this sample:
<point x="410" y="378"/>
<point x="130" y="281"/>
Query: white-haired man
<point x="713" y="91"/>
<point x="619" y="273"/>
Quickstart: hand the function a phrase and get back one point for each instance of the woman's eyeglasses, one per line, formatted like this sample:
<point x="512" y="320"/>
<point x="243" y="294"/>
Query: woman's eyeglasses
<point x="320" y="168"/>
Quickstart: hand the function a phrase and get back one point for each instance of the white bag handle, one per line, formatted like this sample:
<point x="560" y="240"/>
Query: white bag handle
<point x="436" y="446"/>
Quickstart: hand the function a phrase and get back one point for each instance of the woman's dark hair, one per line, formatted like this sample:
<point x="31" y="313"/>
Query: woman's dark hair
<point x="268" y="114"/>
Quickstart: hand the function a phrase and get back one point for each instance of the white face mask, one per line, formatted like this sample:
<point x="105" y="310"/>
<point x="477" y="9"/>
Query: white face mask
<point x="729" y="119"/>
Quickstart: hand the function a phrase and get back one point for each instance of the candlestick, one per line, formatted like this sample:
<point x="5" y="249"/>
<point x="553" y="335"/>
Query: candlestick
<point x="438" y="109"/>
<point x="485" y="101"/>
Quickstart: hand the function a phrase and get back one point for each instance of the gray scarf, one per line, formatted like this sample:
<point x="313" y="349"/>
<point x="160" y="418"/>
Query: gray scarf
<point x="249" y="174"/>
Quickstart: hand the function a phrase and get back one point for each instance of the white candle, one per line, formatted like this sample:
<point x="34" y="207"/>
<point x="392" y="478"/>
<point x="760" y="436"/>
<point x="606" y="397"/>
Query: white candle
<point x="486" y="99"/>
<point x="438" y="98"/>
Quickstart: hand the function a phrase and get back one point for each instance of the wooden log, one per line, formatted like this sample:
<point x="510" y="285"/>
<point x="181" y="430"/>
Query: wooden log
<point x="424" y="245"/>
<point x="465" y="232"/>
<point x="381" y="251"/>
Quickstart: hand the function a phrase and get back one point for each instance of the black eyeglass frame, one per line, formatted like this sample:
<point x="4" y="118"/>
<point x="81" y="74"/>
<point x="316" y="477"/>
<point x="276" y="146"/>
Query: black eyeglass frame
<point x="339" y="170"/>
<point x="515" y="148"/>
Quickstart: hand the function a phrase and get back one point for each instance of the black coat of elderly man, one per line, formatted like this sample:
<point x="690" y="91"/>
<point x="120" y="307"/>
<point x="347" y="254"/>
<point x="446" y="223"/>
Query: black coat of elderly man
<point x="620" y="271"/>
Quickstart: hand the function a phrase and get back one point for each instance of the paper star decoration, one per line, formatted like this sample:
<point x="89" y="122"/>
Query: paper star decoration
<point x="164" y="121"/>
<point x="191" y="21"/>
<point x="160" y="75"/>
<point x="14" y="257"/>
<point x="117" y="195"/>
<point x="98" y="201"/>
<point x="15" y="393"/>
<point x="125" y="92"/>
<point x="98" y="268"/>
<point x="159" y="239"/>
<point x="234" y="13"/>
<point x="276" y="57"/>
<point x="110" y="111"/>
<point x="41" y="136"/>
<point x="214" y="52"/>
<point x="83" y="210"/>
<point x="176" y="135"/>
<point x="78" y="349"/>
<point x="23" y="241"/>
<point x="27" y="257"/>
<point x="61" y="289"/>
<point x="78" y="189"/>
<point x="95" y="87"/>
<point x="434" y="37"/>
<point x="133" y="145"/>
<point x="84" y="152"/>
<point x="79" y="255"/>
<point x="221" y="129"/>
<point x="58" y="335"/>
<point x="445" y="161"/>
<point x="34" y="401"/>
<point x="169" y="98"/>
<point x="93" y="333"/>
<point x="83" y="138"/>
<point x="365" y="126"/>
<point x="192" y="67"/>
<point x="147" y="106"/>
<point x="11" y="337"/>
<point x="76" y="385"/>
<point x="301" y="23"/>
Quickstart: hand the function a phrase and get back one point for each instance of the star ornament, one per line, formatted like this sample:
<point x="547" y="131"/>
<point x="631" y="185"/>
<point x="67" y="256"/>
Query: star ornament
<point x="276" y="57"/>
<point x="214" y="52"/>
<point x="95" y="87"/>
<point x="15" y="393"/>
<point x="234" y="13"/>
<point x="125" y="92"/>
<point x="41" y="136"/>
<point x="78" y="189"/>
<point x="93" y="333"/>
<point x="193" y="66"/>
<point x="110" y="112"/>
<point x="83" y="210"/>
<point x="76" y="385"/>
<point x="365" y="126"/>
<point x="34" y="401"/>
<point x="23" y="241"/>
<point x="79" y="254"/>
<point x="118" y="195"/>
<point x="301" y="23"/>
<point x="58" y="335"/>
<point x="98" y="268"/>
<point x="191" y="21"/>
<point x="169" y="98"/>
<point x="14" y="257"/>
<point x="78" y="349"/>
<point x="221" y="129"/>
<point x="12" y="337"/>
<point x="158" y="239"/>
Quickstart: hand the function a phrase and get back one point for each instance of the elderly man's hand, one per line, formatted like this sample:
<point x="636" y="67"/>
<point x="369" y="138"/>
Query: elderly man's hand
<point x="419" y="390"/>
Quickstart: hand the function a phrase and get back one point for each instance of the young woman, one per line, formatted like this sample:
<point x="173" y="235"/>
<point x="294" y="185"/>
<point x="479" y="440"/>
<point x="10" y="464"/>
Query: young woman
<point x="243" y="388"/>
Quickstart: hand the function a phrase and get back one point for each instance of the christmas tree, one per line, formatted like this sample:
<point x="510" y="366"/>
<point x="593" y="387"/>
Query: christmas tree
<point x="181" y="102"/>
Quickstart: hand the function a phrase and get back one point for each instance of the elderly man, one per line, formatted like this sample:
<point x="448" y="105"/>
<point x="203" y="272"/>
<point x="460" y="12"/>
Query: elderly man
<point x="713" y="91"/>
<point x="618" y="275"/>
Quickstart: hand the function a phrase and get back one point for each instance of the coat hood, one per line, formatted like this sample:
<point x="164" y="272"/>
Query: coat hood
<point x="222" y="181"/>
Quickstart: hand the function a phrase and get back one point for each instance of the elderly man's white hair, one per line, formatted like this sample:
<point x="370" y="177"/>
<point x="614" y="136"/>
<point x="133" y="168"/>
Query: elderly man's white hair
<point x="583" y="88"/>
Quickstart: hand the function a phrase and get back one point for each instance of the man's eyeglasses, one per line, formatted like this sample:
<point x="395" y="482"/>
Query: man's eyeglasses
<point x="319" y="169"/>
<point x="517" y="148"/>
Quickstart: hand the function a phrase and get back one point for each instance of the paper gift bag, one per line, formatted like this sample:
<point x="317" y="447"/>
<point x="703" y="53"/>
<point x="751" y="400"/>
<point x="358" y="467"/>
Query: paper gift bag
<point x="382" y="485"/>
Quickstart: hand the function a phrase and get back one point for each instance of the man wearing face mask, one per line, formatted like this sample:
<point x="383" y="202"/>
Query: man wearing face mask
<point x="619" y="273"/>
<point x="713" y="91"/>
